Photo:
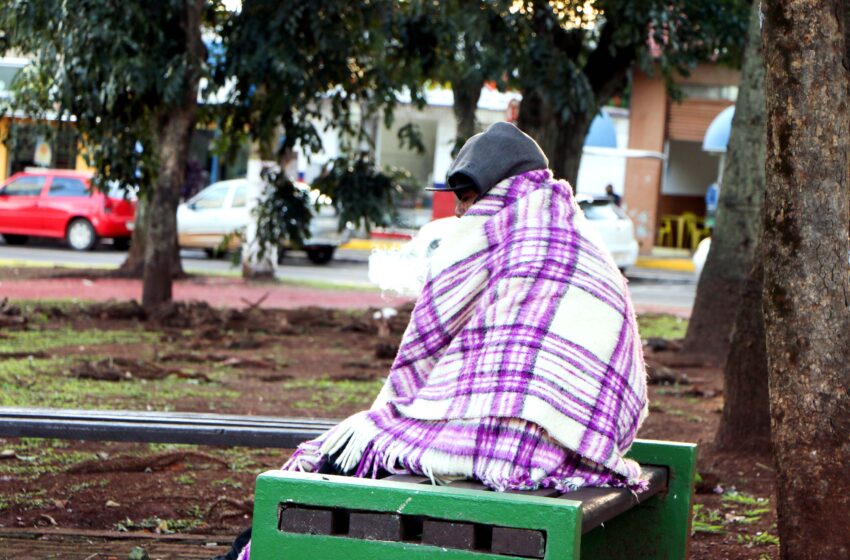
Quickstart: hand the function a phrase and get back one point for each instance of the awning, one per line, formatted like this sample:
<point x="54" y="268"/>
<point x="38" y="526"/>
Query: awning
<point x="602" y="133"/>
<point x="717" y="136"/>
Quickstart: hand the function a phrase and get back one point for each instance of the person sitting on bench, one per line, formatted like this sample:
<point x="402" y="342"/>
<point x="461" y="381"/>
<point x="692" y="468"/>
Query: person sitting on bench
<point x="521" y="366"/>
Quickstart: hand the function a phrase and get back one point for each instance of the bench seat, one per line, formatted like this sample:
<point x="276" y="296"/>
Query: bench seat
<point x="314" y="516"/>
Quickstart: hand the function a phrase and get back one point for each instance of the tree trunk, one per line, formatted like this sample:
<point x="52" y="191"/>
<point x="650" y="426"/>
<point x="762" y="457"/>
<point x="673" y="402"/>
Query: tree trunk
<point x="134" y="265"/>
<point x="745" y="423"/>
<point x="173" y="140"/>
<point x="738" y="223"/>
<point x="466" y="95"/>
<point x="562" y="142"/>
<point x="806" y="274"/>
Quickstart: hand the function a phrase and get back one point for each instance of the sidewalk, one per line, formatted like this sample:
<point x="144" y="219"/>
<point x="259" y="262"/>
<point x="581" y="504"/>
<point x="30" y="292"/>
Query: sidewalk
<point x="662" y="258"/>
<point x="219" y="292"/>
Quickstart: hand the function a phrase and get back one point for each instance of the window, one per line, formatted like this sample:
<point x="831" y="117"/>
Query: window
<point x="65" y="186"/>
<point x="25" y="186"/>
<point x="240" y="197"/>
<point x="210" y="199"/>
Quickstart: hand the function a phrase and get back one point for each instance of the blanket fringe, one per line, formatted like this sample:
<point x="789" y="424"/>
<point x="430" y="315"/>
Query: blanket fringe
<point x="361" y="449"/>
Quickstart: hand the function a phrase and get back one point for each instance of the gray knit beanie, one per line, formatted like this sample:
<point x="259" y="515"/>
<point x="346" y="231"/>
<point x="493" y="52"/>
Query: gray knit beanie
<point x="487" y="158"/>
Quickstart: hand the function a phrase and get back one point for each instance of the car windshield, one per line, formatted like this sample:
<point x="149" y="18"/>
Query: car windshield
<point x="601" y="210"/>
<point x="210" y="198"/>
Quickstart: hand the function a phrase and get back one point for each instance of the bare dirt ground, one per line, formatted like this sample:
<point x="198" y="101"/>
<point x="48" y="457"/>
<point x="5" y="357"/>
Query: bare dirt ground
<point x="88" y="500"/>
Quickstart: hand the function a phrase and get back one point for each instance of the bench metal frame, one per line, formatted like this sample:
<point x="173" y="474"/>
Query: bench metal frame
<point x="657" y="528"/>
<point x="597" y="523"/>
<point x="160" y="427"/>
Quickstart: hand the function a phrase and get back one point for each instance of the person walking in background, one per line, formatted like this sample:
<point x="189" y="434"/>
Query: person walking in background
<point x="609" y="191"/>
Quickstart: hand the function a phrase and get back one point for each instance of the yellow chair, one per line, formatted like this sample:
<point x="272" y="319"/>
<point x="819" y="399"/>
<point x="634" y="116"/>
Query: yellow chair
<point x="697" y="231"/>
<point x="665" y="232"/>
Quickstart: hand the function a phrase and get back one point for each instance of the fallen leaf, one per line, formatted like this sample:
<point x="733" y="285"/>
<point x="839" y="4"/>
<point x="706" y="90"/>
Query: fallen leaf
<point x="110" y="503"/>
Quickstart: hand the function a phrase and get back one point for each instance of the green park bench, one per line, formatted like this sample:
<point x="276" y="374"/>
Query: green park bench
<point x="317" y="516"/>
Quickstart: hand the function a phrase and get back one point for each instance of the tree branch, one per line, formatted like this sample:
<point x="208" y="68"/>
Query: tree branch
<point x="605" y="72"/>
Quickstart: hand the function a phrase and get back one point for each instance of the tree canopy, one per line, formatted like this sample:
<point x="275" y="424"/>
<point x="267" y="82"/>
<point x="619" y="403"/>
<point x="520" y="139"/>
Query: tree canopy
<point x="571" y="58"/>
<point x="112" y="72"/>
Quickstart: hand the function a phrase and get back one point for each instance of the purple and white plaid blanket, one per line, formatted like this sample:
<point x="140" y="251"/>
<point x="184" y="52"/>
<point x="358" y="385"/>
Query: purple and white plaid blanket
<point x="521" y="366"/>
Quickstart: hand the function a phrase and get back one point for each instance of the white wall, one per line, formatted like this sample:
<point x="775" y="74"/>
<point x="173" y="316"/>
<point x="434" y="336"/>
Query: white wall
<point x="438" y="125"/>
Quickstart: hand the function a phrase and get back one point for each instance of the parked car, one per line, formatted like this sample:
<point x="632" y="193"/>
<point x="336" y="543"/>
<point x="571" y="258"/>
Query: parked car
<point x="61" y="204"/>
<point x="614" y="227"/>
<point x="220" y="213"/>
<point x="403" y="269"/>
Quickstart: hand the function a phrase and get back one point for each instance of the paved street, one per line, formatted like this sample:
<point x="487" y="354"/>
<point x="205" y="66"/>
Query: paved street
<point x="648" y="287"/>
<point x="349" y="267"/>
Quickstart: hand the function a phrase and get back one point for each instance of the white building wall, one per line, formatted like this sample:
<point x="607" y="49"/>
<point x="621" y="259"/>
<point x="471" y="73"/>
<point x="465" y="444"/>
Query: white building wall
<point x="596" y="171"/>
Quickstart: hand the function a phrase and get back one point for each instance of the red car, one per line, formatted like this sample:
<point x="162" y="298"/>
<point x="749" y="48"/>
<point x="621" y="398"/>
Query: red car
<point x="58" y="203"/>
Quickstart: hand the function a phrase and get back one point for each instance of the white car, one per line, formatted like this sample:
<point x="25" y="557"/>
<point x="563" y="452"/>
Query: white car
<point x="224" y="209"/>
<point x="614" y="227"/>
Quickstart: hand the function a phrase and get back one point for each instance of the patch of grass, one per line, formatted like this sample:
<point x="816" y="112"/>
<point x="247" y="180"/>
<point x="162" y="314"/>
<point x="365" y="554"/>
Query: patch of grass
<point x="167" y="447"/>
<point x="74" y="488"/>
<point x="761" y="538"/>
<point x="755" y="513"/>
<point x="158" y="525"/>
<point x="328" y="394"/>
<point x="43" y="382"/>
<point x="326" y="285"/>
<point x="45" y="339"/>
<point x="187" y="479"/>
<point x="37" y="457"/>
<point x="235" y="484"/>
<point x="37" y="339"/>
<point x="242" y="463"/>
<point x="741" y="498"/>
<point x="654" y="325"/>
<point x="707" y="520"/>
<point x="26" y="500"/>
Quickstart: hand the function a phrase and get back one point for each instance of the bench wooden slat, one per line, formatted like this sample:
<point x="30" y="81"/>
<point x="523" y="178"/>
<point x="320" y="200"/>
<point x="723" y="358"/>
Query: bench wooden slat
<point x="375" y="526"/>
<point x="449" y="534"/>
<point x="602" y="504"/>
<point x="307" y="521"/>
<point x="408" y="479"/>
<point x="519" y="542"/>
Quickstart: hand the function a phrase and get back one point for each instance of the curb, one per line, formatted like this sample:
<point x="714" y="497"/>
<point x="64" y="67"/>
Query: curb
<point x="678" y="265"/>
<point x="20" y="263"/>
<point x="370" y="244"/>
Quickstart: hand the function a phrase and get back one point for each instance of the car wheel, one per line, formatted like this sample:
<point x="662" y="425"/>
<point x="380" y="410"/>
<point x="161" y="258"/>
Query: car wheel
<point x="320" y="255"/>
<point x="15" y="239"/>
<point x="81" y="235"/>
